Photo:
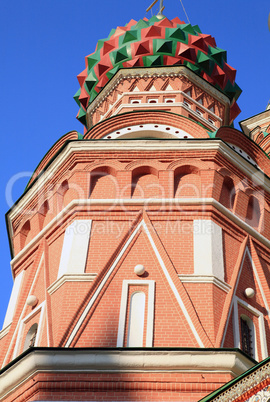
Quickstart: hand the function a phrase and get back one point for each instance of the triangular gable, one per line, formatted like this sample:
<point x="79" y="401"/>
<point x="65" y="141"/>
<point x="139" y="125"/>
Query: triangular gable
<point x="152" y="88"/>
<point x="171" y="279"/>
<point x="169" y="88"/>
<point x="227" y="309"/>
<point x="247" y="273"/>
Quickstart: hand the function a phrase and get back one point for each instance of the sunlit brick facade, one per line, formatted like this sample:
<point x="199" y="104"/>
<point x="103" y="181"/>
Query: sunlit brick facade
<point x="141" y="249"/>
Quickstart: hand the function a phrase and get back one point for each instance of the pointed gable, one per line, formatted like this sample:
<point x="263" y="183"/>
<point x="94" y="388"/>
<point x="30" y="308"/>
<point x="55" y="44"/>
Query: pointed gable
<point x="141" y="247"/>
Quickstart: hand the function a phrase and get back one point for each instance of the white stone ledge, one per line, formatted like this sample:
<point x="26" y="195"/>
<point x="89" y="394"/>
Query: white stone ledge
<point x="118" y="360"/>
<point x="162" y="202"/>
<point x="142" y="145"/>
<point x="70" y="278"/>
<point x="205" y="279"/>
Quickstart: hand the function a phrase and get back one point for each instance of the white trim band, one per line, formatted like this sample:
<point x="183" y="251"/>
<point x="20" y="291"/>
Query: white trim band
<point x="102" y="361"/>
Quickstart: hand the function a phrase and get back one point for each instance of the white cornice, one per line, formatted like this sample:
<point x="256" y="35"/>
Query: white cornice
<point x="115" y="361"/>
<point x="70" y="278"/>
<point x="176" y="202"/>
<point x="205" y="279"/>
<point x="140" y="146"/>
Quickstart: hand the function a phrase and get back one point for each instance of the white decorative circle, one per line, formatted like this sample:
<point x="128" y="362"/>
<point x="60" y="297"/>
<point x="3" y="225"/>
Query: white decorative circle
<point x="139" y="269"/>
<point x="249" y="292"/>
<point x="32" y="301"/>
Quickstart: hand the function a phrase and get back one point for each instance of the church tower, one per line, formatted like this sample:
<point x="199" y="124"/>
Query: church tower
<point x="141" y="249"/>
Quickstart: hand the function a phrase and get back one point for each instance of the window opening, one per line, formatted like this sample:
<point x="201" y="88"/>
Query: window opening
<point x="246" y="337"/>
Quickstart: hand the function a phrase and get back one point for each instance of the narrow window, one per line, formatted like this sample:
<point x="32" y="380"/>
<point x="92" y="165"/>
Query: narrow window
<point x="136" y="320"/>
<point x="246" y="337"/>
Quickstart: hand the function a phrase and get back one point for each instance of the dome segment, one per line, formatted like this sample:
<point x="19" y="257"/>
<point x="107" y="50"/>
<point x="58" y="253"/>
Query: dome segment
<point x="155" y="42"/>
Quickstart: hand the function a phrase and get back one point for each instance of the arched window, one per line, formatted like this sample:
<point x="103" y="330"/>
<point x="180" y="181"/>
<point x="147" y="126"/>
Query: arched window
<point x="247" y="335"/>
<point x="30" y="338"/>
<point x="136" y="320"/>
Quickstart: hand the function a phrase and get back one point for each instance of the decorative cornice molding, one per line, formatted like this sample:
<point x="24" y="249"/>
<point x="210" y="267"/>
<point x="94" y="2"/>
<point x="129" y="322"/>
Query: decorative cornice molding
<point x="118" y="360"/>
<point x="70" y="278"/>
<point x="157" y="72"/>
<point x="205" y="279"/>
<point x="142" y="202"/>
<point x="140" y="146"/>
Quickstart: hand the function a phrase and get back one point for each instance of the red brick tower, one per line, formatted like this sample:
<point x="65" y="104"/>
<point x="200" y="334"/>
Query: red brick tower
<point x="141" y="249"/>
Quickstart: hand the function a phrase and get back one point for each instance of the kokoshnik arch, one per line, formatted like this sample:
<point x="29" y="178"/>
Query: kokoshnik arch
<point x="140" y="250"/>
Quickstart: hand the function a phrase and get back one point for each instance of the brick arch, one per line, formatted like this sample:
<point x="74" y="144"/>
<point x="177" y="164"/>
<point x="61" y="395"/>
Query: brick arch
<point x="63" y="187"/>
<point x="255" y="208"/>
<point x="145" y="182"/>
<point x="68" y="191"/>
<point x="103" y="182"/>
<point x="253" y="214"/>
<point x="250" y="192"/>
<point x="183" y="162"/>
<point x="25" y="233"/>
<point x="134" y="118"/>
<point x="135" y="164"/>
<point x="187" y="181"/>
<point x="44" y="214"/>
<point x="228" y="192"/>
<point x="236" y="180"/>
<point x="114" y="165"/>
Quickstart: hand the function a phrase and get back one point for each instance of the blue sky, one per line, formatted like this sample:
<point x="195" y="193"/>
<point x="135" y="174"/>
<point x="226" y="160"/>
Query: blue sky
<point x="42" y="49"/>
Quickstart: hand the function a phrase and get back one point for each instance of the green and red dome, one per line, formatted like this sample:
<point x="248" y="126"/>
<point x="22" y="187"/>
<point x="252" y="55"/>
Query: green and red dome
<point x="152" y="43"/>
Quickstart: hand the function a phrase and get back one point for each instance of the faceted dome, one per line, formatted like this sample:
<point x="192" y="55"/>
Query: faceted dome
<point x="152" y="43"/>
